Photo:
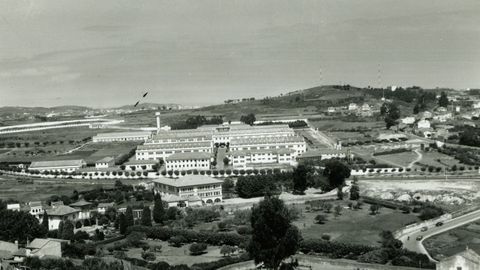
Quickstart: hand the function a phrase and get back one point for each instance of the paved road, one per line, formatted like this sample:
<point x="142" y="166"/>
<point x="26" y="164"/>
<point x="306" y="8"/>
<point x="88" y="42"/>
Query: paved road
<point x="221" y="153"/>
<point x="410" y="241"/>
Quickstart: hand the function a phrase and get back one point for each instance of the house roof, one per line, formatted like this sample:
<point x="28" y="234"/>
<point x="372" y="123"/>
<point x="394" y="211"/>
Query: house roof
<point x="21" y="252"/>
<point x="188" y="180"/>
<point x="57" y="163"/>
<point x="62" y="210"/>
<point x="105" y="160"/>
<point x="105" y="205"/>
<point x="189" y="155"/>
<point x="80" y="203"/>
<point x="39" y="243"/>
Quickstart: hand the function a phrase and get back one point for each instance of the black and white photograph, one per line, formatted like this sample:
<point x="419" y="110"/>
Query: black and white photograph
<point x="239" y="135"/>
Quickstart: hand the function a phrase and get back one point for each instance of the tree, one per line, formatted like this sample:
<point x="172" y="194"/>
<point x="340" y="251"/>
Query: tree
<point x="320" y="219"/>
<point x="274" y="238"/>
<point x="374" y="209"/>
<point x="443" y="100"/>
<point x="336" y="172"/>
<point x="391" y="114"/>
<point x="146" y="216"/>
<point x="337" y="211"/>
<point x="248" y="119"/>
<point x="19" y="225"/>
<point x="197" y="249"/>
<point x="227" y="250"/>
<point x="129" y="216"/>
<point x="355" y="190"/>
<point x="45" y="224"/>
<point x="122" y="220"/>
<point x="226" y="160"/>
<point x="67" y="231"/>
<point x="300" y="179"/>
<point x="158" y="210"/>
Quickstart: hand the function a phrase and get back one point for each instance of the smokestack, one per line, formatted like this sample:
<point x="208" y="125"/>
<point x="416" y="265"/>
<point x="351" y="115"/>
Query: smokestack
<point x="157" y="114"/>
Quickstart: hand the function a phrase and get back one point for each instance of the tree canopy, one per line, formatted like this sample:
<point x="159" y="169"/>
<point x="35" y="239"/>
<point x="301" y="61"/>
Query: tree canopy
<point x="336" y="172"/>
<point x="274" y="238"/>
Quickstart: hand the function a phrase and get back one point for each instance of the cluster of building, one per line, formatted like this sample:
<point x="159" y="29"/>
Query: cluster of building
<point x="361" y="110"/>
<point x="249" y="146"/>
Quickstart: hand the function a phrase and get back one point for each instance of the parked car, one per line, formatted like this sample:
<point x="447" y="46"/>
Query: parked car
<point x="419" y="238"/>
<point x="439" y="224"/>
<point x="424" y="229"/>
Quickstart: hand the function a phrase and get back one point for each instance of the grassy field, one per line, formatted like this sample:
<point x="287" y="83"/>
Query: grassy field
<point x="432" y="159"/>
<point x="401" y="159"/>
<point x="336" y="124"/>
<point x="454" y="241"/>
<point x="12" y="189"/>
<point x="175" y="256"/>
<point x="353" y="226"/>
<point x="42" y="189"/>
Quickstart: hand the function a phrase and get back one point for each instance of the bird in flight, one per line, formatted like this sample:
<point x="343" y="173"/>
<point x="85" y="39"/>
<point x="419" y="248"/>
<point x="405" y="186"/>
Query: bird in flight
<point x="136" y="104"/>
<point x="144" y="95"/>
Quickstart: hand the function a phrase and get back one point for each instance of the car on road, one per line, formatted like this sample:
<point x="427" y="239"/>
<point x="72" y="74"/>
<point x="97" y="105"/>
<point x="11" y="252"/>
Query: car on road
<point x="424" y="229"/>
<point x="419" y="238"/>
<point x="438" y="224"/>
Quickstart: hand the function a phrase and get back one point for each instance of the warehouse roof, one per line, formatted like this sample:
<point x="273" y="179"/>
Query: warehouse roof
<point x="189" y="155"/>
<point x="266" y="140"/>
<point x="124" y="134"/>
<point x="279" y="151"/>
<point x="188" y="180"/>
<point x="57" y="163"/>
<point x="178" y="145"/>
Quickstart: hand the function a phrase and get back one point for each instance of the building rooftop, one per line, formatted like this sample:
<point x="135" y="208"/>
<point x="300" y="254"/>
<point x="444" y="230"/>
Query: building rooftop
<point x="319" y="152"/>
<point x="189" y="155"/>
<point x="266" y="140"/>
<point x="140" y="162"/>
<point x="105" y="160"/>
<point x="80" y="203"/>
<point x="62" y="210"/>
<point x="188" y="180"/>
<point x="123" y="134"/>
<point x="280" y="151"/>
<point x="39" y="243"/>
<point x="105" y="205"/>
<point x="172" y="145"/>
<point x="57" y="163"/>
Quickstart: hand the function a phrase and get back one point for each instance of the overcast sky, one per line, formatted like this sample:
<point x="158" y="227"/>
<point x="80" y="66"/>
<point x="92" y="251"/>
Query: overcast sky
<point x="106" y="53"/>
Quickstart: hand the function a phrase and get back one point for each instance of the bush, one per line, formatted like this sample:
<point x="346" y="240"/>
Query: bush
<point x="148" y="256"/>
<point x="177" y="241"/>
<point x="334" y="249"/>
<point x="197" y="249"/>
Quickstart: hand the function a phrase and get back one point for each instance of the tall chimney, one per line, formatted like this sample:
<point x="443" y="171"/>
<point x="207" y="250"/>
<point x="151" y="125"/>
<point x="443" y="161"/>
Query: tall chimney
<point x="157" y="114"/>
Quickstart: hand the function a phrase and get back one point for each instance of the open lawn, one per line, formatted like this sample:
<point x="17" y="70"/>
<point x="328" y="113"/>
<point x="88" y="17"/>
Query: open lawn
<point x="400" y="159"/>
<point x="330" y="124"/>
<point x="175" y="256"/>
<point x="353" y="226"/>
<point x="437" y="159"/>
<point x="454" y="241"/>
<point x="42" y="190"/>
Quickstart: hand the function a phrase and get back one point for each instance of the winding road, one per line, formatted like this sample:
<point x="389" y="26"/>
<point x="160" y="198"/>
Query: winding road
<point x="410" y="241"/>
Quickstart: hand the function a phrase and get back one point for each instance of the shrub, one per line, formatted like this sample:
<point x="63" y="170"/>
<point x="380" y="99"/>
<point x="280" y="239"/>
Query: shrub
<point x="197" y="249"/>
<point x="148" y="256"/>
